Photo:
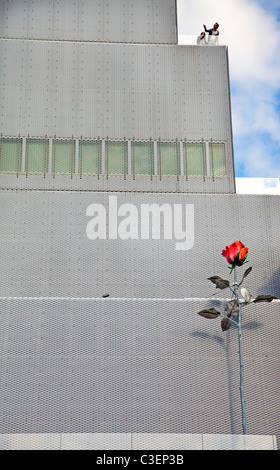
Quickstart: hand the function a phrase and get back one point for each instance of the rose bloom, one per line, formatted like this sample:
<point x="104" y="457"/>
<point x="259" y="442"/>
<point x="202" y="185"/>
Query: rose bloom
<point x="235" y="253"/>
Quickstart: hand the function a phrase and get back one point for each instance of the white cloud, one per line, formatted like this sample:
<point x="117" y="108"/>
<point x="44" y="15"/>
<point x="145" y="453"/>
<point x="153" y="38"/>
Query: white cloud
<point x="251" y="32"/>
<point x="258" y="186"/>
<point x="256" y="110"/>
<point x="256" y="158"/>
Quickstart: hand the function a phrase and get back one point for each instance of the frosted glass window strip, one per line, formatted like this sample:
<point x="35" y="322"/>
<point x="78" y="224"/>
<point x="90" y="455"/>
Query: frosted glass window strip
<point x="143" y="155"/>
<point x="181" y="157"/>
<point x="50" y="155"/>
<point x="37" y="155"/>
<point x="23" y="154"/>
<point x="10" y="154"/>
<point x="194" y="161"/>
<point x="90" y="157"/>
<point x="77" y="153"/>
<point x="63" y="156"/>
<point x="129" y="157"/>
<point x="169" y="162"/>
<point x="207" y="160"/>
<point x="217" y="152"/>
<point x="155" y="158"/>
<point x="109" y="157"/>
<point x="116" y="157"/>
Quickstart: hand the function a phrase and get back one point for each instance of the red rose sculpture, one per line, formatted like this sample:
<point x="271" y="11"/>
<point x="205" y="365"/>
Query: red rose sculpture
<point x="236" y="254"/>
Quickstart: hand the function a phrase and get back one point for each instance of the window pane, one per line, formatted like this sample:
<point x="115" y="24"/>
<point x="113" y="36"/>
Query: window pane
<point x="116" y="157"/>
<point x="218" y="158"/>
<point x="194" y="164"/>
<point x="10" y="155"/>
<point x="37" y="155"/>
<point x="142" y="158"/>
<point x="90" y="156"/>
<point x="63" y="156"/>
<point x="167" y="156"/>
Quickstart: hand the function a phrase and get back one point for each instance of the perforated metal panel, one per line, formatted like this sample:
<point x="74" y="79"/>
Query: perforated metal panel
<point x="115" y="90"/>
<point x="46" y="250"/>
<point x="140" y="360"/>
<point x="118" y="91"/>
<point x="133" y="365"/>
<point x="79" y="369"/>
<point x="90" y="20"/>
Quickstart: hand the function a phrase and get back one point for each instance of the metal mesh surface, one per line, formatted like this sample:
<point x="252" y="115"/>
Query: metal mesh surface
<point x="117" y="179"/>
<point x="140" y="360"/>
<point x="134" y="365"/>
<point x="94" y="20"/>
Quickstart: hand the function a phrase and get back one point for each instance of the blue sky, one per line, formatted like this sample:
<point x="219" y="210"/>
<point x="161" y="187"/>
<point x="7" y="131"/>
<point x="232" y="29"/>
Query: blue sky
<point x="250" y="29"/>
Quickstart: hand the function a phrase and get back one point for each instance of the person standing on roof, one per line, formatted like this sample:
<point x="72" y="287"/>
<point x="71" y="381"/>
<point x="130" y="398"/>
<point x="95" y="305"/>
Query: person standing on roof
<point x="201" y="40"/>
<point x="213" y="38"/>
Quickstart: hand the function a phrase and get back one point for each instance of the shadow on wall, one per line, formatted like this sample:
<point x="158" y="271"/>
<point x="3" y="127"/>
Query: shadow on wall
<point x="272" y="286"/>
<point x="206" y="336"/>
<point x="226" y="340"/>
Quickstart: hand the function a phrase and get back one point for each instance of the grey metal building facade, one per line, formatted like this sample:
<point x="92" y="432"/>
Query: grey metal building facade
<point x="112" y="134"/>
